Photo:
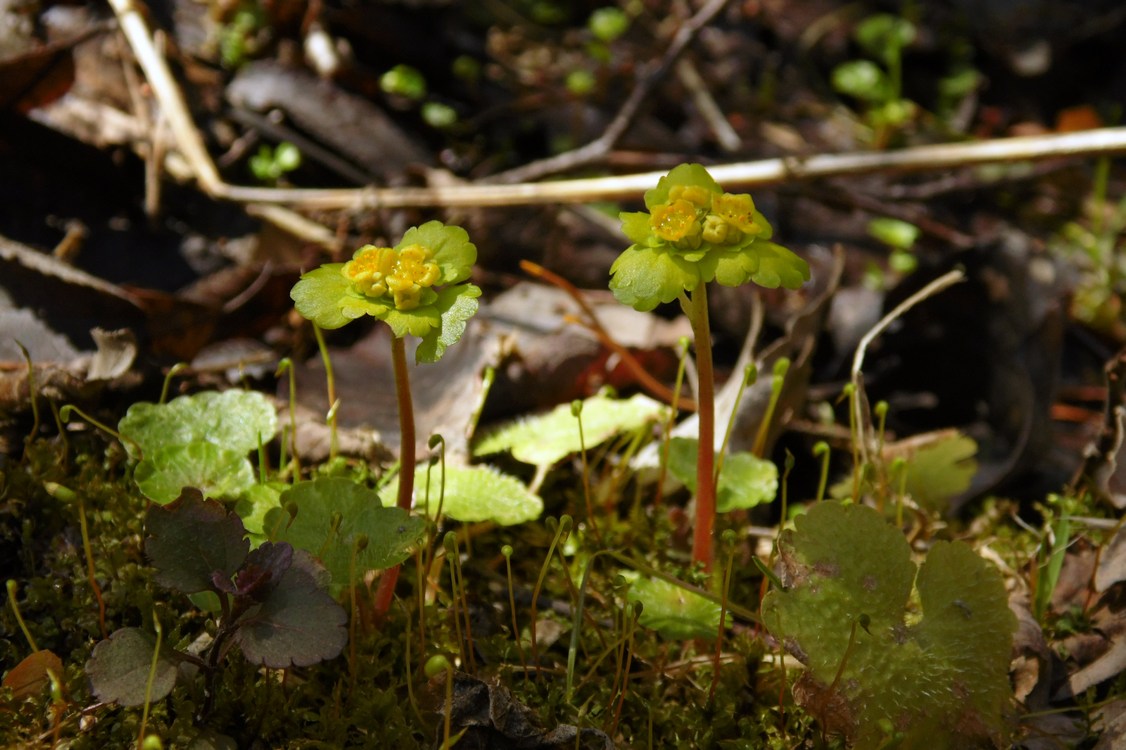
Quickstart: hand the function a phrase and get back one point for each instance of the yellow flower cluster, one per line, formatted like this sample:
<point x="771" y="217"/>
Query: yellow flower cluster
<point x="694" y="215"/>
<point x="377" y="271"/>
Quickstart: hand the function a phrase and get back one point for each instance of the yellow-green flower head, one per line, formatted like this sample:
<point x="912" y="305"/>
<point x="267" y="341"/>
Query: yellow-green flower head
<point x="738" y="210"/>
<point x="416" y="287"/>
<point x="696" y="195"/>
<point x="695" y="233"/>
<point x="376" y="271"/>
<point x="676" y="221"/>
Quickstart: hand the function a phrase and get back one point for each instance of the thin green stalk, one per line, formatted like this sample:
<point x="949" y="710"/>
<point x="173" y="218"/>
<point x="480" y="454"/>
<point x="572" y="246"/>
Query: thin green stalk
<point x="13" y="589"/>
<point x="729" y="539"/>
<point x="65" y="412"/>
<point x="70" y="496"/>
<point x="151" y="679"/>
<point x="577" y="413"/>
<point x="750" y="375"/>
<point x="702" y="541"/>
<point x="562" y="530"/>
<point x="390" y="576"/>
<point x="506" y="550"/>
<point x="173" y="371"/>
<point x="666" y="438"/>
<point x="286" y="365"/>
<point x="781" y="367"/>
<point x="821" y="448"/>
<point x="330" y="384"/>
<point x="34" y="393"/>
<point x="573" y="648"/>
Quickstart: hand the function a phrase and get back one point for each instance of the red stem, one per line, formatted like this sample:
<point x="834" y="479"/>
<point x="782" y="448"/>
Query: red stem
<point x="386" y="591"/>
<point x="702" y="543"/>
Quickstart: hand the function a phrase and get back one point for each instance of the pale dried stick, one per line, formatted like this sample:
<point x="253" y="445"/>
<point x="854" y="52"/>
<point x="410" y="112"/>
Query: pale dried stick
<point x="859" y="400"/>
<point x="1102" y="141"/>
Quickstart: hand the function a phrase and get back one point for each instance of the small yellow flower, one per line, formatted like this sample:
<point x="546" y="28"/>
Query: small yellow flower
<point x="675" y="221"/>
<point x="376" y="271"/>
<point x="719" y="232"/>
<point x="737" y="210"/>
<point x="694" y="194"/>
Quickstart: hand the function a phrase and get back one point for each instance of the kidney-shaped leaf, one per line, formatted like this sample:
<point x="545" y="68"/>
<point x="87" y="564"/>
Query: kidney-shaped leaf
<point x="190" y="540"/>
<point x="296" y="624"/>
<point x="216" y="471"/>
<point x="940" y="679"/>
<point x="674" y="611"/>
<point x="119" y="668"/>
<point x="331" y="514"/>
<point x="472" y="494"/>
<point x="235" y="420"/>
<point x="545" y="439"/>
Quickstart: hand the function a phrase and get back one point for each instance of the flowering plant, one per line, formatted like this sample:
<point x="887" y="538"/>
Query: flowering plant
<point x="415" y="287"/>
<point x="694" y="232"/>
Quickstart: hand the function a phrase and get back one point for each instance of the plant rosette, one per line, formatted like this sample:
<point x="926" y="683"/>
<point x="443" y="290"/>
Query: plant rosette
<point x="693" y="233"/>
<point x="415" y="287"/>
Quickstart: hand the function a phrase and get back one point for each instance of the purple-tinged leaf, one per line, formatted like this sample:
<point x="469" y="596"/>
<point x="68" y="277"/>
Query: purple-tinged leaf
<point x="297" y="624"/>
<point x="263" y="569"/>
<point x="192" y="539"/>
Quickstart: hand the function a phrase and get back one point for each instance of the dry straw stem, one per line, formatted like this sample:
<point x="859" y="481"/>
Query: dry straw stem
<point x="624" y="187"/>
<point x="860" y="401"/>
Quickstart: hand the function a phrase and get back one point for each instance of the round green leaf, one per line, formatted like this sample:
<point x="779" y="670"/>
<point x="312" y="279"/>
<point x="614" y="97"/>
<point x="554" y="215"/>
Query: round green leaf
<point x="674" y="612"/>
<point x="215" y="471"/>
<point x="318" y="293"/>
<point x="331" y="514"/>
<point x="451" y="248"/>
<point x="119" y="668"/>
<point x="472" y="494"/>
<point x="644" y="277"/>
<point x="235" y="420"/>
<point x="863" y="80"/>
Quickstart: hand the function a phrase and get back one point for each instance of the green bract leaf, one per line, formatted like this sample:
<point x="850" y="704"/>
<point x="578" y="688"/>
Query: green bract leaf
<point x="296" y="623"/>
<point x="317" y="296"/>
<point x="451" y="248"/>
<point x="635" y="226"/>
<point x="746" y="479"/>
<point x="215" y="471"/>
<point x="420" y="321"/>
<point x="472" y="494"/>
<point x="545" y="439"/>
<point x="456" y="304"/>
<point x="234" y="420"/>
<point x="684" y="175"/>
<point x="939" y="675"/>
<point x="674" y="612"/>
<point x="190" y="541"/>
<point x="119" y="668"/>
<point x="331" y="513"/>
<point x="644" y="277"/>
<point x="778" y="266"/>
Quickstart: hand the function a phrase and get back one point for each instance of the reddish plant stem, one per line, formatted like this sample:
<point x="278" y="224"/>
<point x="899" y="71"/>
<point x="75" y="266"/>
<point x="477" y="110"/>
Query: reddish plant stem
<point x="702" y="542"/>
<point x="386" y="591"/>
